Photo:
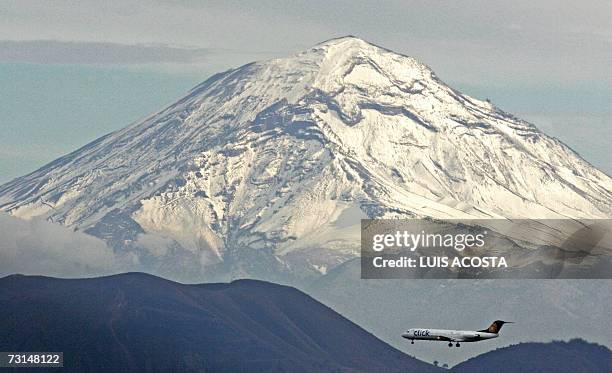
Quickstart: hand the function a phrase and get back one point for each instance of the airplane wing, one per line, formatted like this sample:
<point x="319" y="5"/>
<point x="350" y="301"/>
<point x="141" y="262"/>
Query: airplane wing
<point x="465" y="337"/>
<point x="470" y="337"/>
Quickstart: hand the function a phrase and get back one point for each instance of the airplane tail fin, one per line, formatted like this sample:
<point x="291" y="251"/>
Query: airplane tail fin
<point x="496" y="326"/>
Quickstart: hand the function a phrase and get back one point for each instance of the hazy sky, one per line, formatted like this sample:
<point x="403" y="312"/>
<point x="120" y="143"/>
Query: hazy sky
<point x="548" y="40"/>
<point x="546" y="61"/>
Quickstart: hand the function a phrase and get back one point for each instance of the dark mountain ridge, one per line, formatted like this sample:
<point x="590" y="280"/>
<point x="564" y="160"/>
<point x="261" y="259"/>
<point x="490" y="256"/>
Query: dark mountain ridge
<point x="574" y="356"/>
<point x="138" y="322"/>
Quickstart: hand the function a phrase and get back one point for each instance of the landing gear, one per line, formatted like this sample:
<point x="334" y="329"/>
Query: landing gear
<point x="450" y="344"/>
<point x="412" y="342"/>
<point x="457" y="345"/>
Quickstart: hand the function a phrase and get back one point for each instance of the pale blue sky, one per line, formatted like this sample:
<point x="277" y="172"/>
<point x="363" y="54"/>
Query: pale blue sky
<point x="49" y="110"/>
<point x="72" y="71"/>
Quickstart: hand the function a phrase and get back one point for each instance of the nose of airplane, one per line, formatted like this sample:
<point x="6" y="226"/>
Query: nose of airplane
<point x="405" y="335"/>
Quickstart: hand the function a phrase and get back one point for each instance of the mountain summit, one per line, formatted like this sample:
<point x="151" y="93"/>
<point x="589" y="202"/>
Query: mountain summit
<point x="273" y="164"/>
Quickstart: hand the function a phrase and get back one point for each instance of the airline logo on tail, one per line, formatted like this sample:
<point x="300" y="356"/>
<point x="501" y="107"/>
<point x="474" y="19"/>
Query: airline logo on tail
<point x="496" y="326"/>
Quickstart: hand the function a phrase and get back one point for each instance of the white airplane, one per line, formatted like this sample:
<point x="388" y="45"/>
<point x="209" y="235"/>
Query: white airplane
<point x="456" y="336"/>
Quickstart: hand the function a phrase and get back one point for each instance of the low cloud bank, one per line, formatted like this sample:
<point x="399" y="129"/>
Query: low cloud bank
<point x="62" y="52"/>
<point x="38" y="247"/>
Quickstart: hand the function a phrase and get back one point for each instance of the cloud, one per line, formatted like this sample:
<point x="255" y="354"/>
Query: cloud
<point x="156" y="245"/>
<point x="38" y="247"/>
<point x="64" y="52"/>
<point x="140" y="57"/>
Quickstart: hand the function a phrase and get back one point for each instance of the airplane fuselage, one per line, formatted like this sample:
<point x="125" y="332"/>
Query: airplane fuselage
<point x="447" y="335"/>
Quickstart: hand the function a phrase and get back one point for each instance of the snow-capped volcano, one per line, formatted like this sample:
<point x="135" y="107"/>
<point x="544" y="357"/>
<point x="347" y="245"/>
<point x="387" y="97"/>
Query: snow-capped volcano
<point x="281" y="158"/>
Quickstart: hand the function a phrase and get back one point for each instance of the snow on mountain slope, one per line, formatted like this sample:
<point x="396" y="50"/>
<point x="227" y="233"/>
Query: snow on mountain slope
<point x="281" y="158"/>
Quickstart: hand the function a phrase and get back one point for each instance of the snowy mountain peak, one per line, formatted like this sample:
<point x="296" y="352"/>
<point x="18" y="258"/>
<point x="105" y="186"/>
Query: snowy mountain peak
<point x="346" y="48"/>
<point x="353" y="47"/>
<point x="281" y="159"/>
<point x="330" y="67"/>
<point x="343" y="39"/>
